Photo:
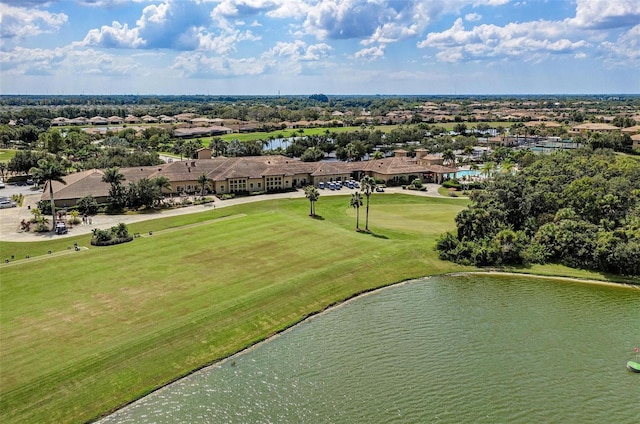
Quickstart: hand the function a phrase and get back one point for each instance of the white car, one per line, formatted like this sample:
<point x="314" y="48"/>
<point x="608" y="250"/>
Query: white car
<point x="5" y="204"/>
<point x="2" y="185"/>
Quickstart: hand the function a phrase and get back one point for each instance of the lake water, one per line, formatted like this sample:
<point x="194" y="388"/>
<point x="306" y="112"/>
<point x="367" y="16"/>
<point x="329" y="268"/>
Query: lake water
<point x="481" y="349"/>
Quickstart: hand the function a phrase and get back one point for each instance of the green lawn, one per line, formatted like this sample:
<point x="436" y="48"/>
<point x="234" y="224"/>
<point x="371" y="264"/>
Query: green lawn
<point x="6" y="155"/>
<point x="85" y="332"/>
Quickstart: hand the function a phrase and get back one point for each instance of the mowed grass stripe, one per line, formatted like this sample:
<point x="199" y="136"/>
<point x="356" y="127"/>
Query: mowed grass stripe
<point x="115" y="323"/>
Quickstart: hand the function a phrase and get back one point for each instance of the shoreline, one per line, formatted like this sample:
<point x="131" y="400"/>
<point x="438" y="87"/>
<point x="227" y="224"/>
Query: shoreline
<point x="218" y="363"/>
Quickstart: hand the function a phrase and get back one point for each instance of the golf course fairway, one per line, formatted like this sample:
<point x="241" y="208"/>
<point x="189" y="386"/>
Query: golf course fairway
<point x="85" y="332"/>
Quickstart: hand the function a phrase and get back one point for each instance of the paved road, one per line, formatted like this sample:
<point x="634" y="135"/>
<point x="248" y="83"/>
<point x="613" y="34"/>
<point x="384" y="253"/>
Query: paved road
<point x="10" y="218"/>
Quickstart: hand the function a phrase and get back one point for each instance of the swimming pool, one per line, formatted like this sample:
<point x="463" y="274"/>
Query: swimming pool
<point x="467" y="173"/>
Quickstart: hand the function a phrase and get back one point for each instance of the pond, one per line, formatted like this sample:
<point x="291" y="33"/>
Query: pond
<point x="467" y="348"/>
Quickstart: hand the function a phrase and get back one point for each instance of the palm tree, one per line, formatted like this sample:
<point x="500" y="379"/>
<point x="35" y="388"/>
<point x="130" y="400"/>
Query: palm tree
<point x="367" y="186"/>
<point x="377" y="155"/>
<point x="114" y="177"/>
<point x="49" y="171"/>
<point x="312" y="194"/>
<point x="449" y="157"/>
<point x="162" y="183"/>
<point x="488" y="168"/>
<point x="356" y="202"/>
<point x="507" y="166"/>
<point x="203" y="181"/>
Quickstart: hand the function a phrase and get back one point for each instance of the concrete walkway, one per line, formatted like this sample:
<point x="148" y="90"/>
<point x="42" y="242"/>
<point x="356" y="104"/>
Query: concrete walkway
<point x="10" y="218"/>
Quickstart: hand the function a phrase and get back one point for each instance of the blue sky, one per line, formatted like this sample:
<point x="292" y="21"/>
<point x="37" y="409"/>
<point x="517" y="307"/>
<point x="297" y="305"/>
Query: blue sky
<point x="266" y="47"/>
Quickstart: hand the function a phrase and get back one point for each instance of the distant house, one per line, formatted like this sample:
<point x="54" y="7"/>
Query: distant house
<point x="131" y="119"/>
<point x="115" y="120"/>
<point x="584" y="128"/>
<point x="148" y="119"/>
<point x="80" y="120"/>
<point x="98" y="120"/>
<point x="59" y="121"/>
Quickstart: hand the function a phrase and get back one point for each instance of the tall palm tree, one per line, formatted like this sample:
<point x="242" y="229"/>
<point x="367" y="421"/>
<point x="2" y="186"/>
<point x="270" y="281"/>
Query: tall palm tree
<point x="356" y="202"/>
<point x="49" y="171"/>
<point x="203" y="181"/>
<point x="312" y="194"/>
<point x="367" y="186"/>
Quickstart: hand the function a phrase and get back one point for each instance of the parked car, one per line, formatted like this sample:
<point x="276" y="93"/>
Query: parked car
<point x="321" y="185"/>
<point x="31" y="182"/>
<point x="2" y="185"/>
<point x="380" y="189"/>
<point x="5" y="204"/>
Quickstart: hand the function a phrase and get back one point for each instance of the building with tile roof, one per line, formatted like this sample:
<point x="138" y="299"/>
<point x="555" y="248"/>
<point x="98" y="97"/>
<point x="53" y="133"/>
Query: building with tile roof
<point x="254" y="174"/>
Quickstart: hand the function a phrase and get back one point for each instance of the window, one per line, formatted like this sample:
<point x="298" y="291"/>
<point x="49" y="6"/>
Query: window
<point x="237" y="184"/>
<point x="273" y="183"/>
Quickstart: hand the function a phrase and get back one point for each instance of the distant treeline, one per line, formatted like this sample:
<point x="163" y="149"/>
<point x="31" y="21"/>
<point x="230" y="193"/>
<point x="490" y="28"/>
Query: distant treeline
<point x="353" y="100"/>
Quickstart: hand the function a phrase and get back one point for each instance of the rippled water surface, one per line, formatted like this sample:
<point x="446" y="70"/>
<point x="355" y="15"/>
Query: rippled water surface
<point x="447" y="349"/>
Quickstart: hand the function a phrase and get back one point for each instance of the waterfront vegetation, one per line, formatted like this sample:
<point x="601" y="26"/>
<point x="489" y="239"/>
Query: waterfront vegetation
<point x="86" y="331"/>
<point x="580" y="208"/>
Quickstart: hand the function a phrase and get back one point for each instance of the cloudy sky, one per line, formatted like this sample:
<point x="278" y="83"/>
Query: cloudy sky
<point x="266" y="47"/>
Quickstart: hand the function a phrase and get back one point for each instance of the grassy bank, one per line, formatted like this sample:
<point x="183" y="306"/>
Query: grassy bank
<point x="88" y="331"/>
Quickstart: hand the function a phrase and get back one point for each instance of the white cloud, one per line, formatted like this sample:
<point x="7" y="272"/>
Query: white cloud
<point x="472" y="17"/>
<point x="627" y="46"/>
<point x="170" y="24"/>
<point x="370" y="53"/>
<point x="298" y="51"/>
<point x="224" y="42"/>
<point x="154" y="15"/>
<point x="199" y="65"/>
<point x="115" y="36"/>
<point x="19" y="22"/>
<point x="606" y="13"/>
<point x="68" y="60"/>
<point x="514" y="39"/>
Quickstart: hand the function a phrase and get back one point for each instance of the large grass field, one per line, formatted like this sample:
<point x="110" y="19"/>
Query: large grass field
<point x="85" y="332"/>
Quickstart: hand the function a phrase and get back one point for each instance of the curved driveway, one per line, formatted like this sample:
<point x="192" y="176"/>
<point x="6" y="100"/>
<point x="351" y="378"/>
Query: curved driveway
<point x="10" y="218"/>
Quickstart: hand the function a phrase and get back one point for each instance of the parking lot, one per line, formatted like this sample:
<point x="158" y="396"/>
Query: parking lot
<point x="11" y="189"/>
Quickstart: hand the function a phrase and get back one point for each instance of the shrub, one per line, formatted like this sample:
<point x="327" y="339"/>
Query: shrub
<point x="452" y="184"/>
<point x="88" y="205"/>
<point x="115" y="235"/>
<point x="18" y="198"/>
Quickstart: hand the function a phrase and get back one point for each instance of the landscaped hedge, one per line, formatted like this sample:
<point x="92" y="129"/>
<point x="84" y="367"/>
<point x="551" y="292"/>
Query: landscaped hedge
<point x="111" y="242"/>
<point x="115" y="235"/>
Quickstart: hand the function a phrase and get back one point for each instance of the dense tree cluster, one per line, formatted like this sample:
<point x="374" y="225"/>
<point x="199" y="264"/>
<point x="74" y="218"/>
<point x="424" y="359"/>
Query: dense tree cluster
<point x="581" y="209"/>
